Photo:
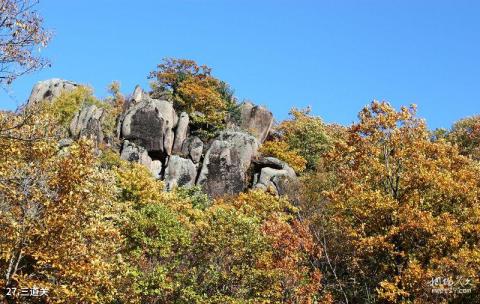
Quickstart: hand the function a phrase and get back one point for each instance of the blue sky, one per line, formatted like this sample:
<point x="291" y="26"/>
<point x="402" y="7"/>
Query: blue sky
<point x="335" y="56"/>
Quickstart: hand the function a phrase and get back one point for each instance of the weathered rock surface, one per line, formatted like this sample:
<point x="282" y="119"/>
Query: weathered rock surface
<point x="168" y="141"/>
<point x="181" y="132"/>
<point x="179" y="172"/>
<point x="193" y="147"/>
<point x="134" y="153"/>
<point x="137" y="94"/>
<point x="256" y="120"/>
<point x="156" y="168"/>
<point x="50" y="89"/>
<point x="88" y="123"/>
<point x="274" y="175"/>
<point x="65" y="142"/>
<point x="155" y="136"/>
<point x="226" y="163"/>
<point x="150" y="123"/>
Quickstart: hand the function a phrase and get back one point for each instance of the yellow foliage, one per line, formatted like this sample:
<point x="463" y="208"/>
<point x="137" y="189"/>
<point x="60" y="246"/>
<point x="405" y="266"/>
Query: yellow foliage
<point x="57" y="213"/>
<point x="65" y="106"/>
<point x="202" y="95"/>
<point x="282" y="151"/>
<point x="397" y="211"/>
<point x="307" y="135"/>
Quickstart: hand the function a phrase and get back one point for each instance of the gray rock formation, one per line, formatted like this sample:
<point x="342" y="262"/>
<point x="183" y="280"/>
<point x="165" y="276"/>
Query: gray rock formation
<point x="156" y="137"/>
<point x="134" y="153"/>
<point x="181" y="132"/>
<point x="149" y="123"/>
<point x="88" y="123"/>
<point x="257" y="120"/>
<point x="155" y="168"/>
<point x="65" y="142"/>
<point x="226" y="163"/>
<point x="193" y="147"/>
<point x="179" y="172"/>
<point x="50" y="89"/>
<point x="275" y="175"/>
<point x="168" y="141"/>
<point x="137" y="94"/>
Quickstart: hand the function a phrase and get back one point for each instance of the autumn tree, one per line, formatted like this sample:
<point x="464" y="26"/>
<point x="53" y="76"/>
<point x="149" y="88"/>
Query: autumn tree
<point x="306" y="134"/>
<point x="465" y="133"/>
<point x="395" y="211"/>
<point x="208" y="100"/>
<point x="22" y="33"/>
<point x="57" y="213"/>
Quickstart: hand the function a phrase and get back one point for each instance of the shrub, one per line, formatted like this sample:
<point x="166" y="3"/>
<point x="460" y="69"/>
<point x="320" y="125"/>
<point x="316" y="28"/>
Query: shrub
<point x="68" y="104"/>
<point x="282" y="151"/>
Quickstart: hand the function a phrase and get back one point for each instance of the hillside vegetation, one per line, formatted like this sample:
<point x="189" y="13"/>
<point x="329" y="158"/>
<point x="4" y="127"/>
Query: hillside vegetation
<point x="185" y="195"/>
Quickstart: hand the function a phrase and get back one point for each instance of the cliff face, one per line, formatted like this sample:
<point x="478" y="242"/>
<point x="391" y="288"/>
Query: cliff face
<point x="152" y="133"/>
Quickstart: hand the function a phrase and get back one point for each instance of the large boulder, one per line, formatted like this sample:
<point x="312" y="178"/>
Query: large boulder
<point x="88" y="123"/>
<point x="274" y="175"/>
<point x="50" y="89"/>
<point x="193" y="147"/>
<point x="134" y="153"/>
<point x="180" y="132"/>
<point x="226" y="164"/>
<point x="150" y="123"/>
<point x="179" y="172"/>
<point x="257" y="120"/>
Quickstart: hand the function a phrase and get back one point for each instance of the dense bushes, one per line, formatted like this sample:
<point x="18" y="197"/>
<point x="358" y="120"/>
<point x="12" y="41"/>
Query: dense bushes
<point x="181" y="248"/>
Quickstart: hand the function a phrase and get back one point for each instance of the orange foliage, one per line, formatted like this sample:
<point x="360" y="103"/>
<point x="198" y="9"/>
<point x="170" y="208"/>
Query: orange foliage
<point x="397" y="211"/>
<point x="53" y="210"/>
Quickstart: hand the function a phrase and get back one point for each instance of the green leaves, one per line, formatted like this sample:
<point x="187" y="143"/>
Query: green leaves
<point x="306" y="135"/>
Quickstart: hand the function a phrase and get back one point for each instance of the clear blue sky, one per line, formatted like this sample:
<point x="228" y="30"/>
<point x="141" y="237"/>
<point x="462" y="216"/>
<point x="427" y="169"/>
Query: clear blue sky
<point x="333" y="55"/>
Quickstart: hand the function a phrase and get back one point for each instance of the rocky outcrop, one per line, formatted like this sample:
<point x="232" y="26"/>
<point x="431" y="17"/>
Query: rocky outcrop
<point x="226" y="163"/>
<point x="257" y="120"/>
<point x="179" y="172"/>
<point x="134" y="153"/>
<point x="88" y="123"/>
<point x="149" y="123"/>
<point x="193" y="147"/>
<point x="50" y="89"/>
<point x="150" y="132"/>
<point x="181" y="132"/>
<point x="274" y="175"/>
